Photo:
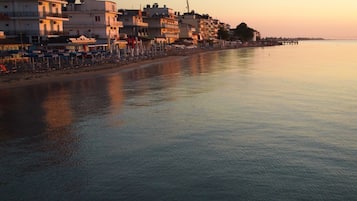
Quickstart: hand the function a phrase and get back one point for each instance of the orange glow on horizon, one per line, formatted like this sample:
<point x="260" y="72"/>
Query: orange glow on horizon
<point x="327" y="19"/>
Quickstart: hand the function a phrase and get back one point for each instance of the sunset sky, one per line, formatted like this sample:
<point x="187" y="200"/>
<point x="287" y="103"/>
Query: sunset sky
<point x="331" y="19"/>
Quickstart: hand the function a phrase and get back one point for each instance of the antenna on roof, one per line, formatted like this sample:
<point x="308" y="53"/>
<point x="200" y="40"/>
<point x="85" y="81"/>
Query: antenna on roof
<point x="187" y="6"/>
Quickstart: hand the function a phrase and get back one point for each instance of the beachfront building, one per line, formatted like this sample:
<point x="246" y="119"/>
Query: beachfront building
<point x="34" y="21"/>
<point x="133" y="24"/>
<point x="93" y="19"/>
<point x="163" y="23"/>
<point x="215" y="27"/>
<point x="188" y="33"/>
<point x="206" y="27"/>
<point x="256" y="36"/>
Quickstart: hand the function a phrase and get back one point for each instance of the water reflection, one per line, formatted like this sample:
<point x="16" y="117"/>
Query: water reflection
<point x="58" y="116"/>
<point x="162" y="76"/>
<point x="89" y="96"/>
<point x="172" y="68"/>
<point x="49" y="116"/>
<point x="44" y="126"/>
<point x="200" y="63"/>
<point x="217" y="61"/>
<point x="57" y="107"/>
<point x="50" y="110"/>
<point x="116" y="96"/>
<point x="84" y="140"/>
<point x="245" y="59"/>
<point x="21" y="113"/>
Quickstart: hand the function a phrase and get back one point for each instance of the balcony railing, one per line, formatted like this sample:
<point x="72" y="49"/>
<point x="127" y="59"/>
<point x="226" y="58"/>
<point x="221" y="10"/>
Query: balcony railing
<point x="60" y="33"/>
<point x="115" y="24"/>
<point x="33" y="14"/>
<point x="49" y="14"/>
<point x="170" y="26"/>
<point x="35" y="33"/>
<point x="22" y="32"/>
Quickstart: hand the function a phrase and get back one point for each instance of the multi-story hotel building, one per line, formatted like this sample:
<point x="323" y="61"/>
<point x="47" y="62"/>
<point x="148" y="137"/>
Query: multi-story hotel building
<point x="188" y="32"/>
<point x="134" y="26"/>
<point x="33" y="19"/>
<point x="206" y="27"/>
<point x="163" y="23"/>
<point x="91" y="18"/>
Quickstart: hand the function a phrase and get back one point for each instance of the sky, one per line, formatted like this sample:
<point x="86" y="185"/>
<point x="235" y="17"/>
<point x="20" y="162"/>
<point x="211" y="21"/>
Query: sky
<point x="329" y="19"/>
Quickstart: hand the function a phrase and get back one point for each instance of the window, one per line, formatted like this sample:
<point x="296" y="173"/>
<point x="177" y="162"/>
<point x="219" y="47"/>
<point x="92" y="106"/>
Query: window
<point x="97" y="18"/>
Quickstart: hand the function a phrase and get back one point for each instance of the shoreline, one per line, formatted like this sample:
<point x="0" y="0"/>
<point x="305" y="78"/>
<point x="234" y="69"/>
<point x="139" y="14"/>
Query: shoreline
<point x="16" y="80"/>
<point x="23" y="79"/>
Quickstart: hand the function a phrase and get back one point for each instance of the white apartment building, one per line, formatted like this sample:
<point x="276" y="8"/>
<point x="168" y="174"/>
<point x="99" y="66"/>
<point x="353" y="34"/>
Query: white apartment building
<point x="94" y="19"/>
<point x="163" y="23"/>
<point x="206" y="27"/>
<point x="33" y="19"/>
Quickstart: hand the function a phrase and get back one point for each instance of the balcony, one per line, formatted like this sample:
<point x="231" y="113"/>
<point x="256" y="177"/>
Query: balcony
<point x="58" y="1"/>
<point x="115" y="24"/>
<point x="24" y="33"/>
<point x="56" y="15"/>
<point x="34" y="15"/>
<point x="57" y="33"/>
<point x="170" y="26"/>
<point x="141" y="24"/>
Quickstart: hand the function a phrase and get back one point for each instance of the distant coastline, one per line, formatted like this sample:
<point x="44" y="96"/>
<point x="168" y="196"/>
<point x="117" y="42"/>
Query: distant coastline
<point x="295" y="38"/>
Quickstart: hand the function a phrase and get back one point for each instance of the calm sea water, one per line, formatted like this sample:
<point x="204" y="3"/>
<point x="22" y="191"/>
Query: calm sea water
<point x="274" y="123"/>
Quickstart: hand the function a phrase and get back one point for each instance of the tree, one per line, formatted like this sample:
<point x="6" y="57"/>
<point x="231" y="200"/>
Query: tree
<point x="243" y="32"/>
<point x="223" y="34"/>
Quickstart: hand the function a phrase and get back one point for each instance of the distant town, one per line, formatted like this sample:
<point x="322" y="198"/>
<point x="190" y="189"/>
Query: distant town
<point x="70" y="33"/>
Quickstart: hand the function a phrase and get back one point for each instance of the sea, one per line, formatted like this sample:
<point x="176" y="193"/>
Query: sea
<point x="263" y="123"/>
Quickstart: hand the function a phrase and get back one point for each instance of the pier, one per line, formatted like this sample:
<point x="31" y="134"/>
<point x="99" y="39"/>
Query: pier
<point x="289" y="42"/>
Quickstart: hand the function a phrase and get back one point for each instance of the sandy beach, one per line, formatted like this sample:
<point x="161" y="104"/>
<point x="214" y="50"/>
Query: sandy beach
<point x="13" y="80"/>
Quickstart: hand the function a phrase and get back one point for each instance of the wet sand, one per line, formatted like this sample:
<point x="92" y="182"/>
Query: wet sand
<point x="14" y="80"/>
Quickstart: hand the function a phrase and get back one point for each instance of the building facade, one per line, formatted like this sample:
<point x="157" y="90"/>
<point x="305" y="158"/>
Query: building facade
<point x="94" y="19"/>
<point x="188" y="32"/>
<point x="206" y="27"/>
<point x="133" y="24"/>
<point x="163" y="23"/>
<point x="35" y="20"/>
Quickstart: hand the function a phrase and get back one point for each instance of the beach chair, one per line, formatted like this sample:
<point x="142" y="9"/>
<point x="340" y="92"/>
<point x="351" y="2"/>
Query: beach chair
<point x="3" y="69"/>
